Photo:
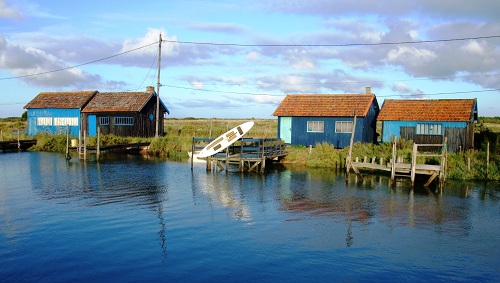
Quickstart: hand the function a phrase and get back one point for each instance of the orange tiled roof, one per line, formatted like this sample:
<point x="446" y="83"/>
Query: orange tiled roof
<point x="61" y="100"/>
<point x="320" y="105"/>
<point x="118" y="102"/>
<point x="453" y="110"/>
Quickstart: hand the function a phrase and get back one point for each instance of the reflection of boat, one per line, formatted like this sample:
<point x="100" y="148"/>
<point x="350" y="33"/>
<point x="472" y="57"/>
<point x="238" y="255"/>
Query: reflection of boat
<point x="196" y="157"/>
<point x="226" y="139"/>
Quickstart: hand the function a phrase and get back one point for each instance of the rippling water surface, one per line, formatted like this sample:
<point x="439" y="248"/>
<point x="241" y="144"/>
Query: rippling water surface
<point x="131" y="219"/>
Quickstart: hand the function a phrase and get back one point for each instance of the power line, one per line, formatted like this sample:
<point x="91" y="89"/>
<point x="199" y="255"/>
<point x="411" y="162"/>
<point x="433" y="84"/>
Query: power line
<point x="334" y="45"/>
<point x="394" y="95"/>
<point x="79" y="65"/>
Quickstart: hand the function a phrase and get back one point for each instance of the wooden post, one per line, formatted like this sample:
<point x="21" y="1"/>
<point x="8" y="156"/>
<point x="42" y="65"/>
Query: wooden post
<point x="84" y="145"/>
<point x="393" y="160"/>
<point x="413" y="164"/>
<point x="79" y="144"/>
<point x="262" y="158"/>
<point x="241" y="165"/>
<point x="468" y="164"/>
<point x="209" y="163"/>
<point x="348" y="160"/>
<point x="98" y="143"/>
<point x="444" y="158"/>
<point x="227" y="159"/>
<point x="68" y="157"/>
<point x="19" y="140"/>
<point x="192" y="153"/>
<point x="487" y="159"/>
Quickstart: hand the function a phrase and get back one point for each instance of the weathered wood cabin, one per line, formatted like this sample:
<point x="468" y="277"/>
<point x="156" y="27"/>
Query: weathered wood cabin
<point x="124" y="114"/>
<point x="54" y="112"/>
<point x="430" y="121"/>
<point x="307" y="119"/>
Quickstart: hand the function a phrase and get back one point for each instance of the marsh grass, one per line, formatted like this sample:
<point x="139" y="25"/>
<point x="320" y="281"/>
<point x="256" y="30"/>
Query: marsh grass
<point x="179" y="133"/>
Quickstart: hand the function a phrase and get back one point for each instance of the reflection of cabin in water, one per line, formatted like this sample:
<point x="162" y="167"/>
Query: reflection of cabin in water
<point x="307" y="119"/>
<point x="124" y="114"/>
<point x="430" y="121"/>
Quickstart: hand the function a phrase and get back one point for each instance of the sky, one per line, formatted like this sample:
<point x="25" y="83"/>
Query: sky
<point x="239" y="59"/>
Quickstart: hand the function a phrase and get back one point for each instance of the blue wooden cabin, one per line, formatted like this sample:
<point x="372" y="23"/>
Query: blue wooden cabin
<point x="430" y="121"/>
<point x="54" y="112"/>
<point x="307" y="119"/>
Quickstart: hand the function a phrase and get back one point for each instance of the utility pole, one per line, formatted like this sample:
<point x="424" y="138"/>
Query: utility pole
<point x="158" y="92"/>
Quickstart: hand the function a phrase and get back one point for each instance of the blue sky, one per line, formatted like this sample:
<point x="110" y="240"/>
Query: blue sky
<point x="238" y="59"/>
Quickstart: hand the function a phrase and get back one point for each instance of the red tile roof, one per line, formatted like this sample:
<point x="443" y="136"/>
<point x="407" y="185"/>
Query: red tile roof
<point x="118" y="102"/>
<point x="452" y="110"/>
<point x="61" y="100"/>
<point x="325" y="105"/>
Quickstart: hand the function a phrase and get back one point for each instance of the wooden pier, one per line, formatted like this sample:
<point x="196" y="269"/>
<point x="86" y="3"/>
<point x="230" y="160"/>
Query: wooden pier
<point x="398" y="168"/>
<point x="249" y="154"/>
<point x="18" y="145"/>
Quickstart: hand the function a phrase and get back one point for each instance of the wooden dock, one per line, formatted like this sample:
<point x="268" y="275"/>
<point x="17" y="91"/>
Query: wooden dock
<point x="98" y="150"/>
<point x="249" y="154"/>
<point x="18" y="145"/>
<point x="398" y="168"/>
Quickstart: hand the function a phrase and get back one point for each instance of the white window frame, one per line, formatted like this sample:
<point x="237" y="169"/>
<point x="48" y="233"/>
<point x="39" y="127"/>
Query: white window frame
<point x="343" y="126"/>
<point x="44" y="121"/>
<point x="429" y="129"/>
<point x="315" y="126"/>
<point x="66" y="121"/>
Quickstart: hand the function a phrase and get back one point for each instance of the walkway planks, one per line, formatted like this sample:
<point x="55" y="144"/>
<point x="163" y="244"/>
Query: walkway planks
<point x="410" y="170"/>
<point x="250" y="154"/>
<point x="16" y="145"/>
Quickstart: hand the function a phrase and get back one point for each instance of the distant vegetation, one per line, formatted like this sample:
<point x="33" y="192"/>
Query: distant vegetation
<point x="179" y="133"/>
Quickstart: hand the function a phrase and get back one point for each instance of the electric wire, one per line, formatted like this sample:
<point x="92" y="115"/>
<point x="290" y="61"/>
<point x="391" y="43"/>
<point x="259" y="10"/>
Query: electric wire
<point x="334" y="45"/>
<point x="79" y="65"/>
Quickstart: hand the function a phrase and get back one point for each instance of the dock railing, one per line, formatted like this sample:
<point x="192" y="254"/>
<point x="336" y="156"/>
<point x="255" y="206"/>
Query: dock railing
<point x="249" y="153"/>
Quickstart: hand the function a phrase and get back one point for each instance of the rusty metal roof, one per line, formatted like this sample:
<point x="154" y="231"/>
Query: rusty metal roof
<point x="61" y="100"/>
<point x="118" y="102"/>
<point x="452" y="110"/>
<point x="325" y="105"/>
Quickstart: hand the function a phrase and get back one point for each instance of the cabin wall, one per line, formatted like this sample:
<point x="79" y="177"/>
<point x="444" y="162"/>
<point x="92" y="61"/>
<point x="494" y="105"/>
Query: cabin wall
<point x="53" y="121"/>
<point x="301" y="136"/>
<point x="460" y="135"/>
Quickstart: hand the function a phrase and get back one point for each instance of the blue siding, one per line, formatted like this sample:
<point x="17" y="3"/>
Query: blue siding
<point x="392" y="128"/>
<point x="364" y="133"/>
<point x="34" y="128"/>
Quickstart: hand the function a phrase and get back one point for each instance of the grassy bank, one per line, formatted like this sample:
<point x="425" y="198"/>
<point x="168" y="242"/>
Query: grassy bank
<point x="470" y="165"/>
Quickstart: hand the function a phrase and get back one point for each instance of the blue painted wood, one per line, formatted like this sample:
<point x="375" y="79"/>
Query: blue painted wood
<point x="365" y="129"/>
<point x="92" y="125"/>
<point x="392" y="128"/>
<point x="50" y="113"/>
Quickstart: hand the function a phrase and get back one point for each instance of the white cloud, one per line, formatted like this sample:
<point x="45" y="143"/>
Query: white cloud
<point x="8" y="12"/>
<point x="197" y="84"/>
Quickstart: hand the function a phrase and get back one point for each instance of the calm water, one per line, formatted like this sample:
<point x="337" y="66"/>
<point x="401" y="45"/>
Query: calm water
<point x="135" y="219"/>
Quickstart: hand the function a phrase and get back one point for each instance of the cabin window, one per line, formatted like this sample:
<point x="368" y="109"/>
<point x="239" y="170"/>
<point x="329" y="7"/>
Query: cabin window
<point x="69" y="121"/>
<point x="103" y="121"/>
<point x="429" y="129"/>
<point x="124" y="121"/>
<point x="315" y="126"/>
<point x="343" y="127"/>
<point x="44" y="121"/>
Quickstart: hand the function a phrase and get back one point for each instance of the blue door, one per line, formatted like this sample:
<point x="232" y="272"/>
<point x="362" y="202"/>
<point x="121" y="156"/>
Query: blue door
<point x="286" y="129"/>
<point x="92" y="125"/>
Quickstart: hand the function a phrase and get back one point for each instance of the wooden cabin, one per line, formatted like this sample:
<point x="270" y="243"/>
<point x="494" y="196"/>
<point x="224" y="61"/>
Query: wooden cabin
<point x="430" y="121"/>
<point x="124" y="114"/>
<point x="54" y="112"/>
<point x="307" y="119"/>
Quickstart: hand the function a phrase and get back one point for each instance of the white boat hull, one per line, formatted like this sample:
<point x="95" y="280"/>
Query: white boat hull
<point x="226" y="139"/>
